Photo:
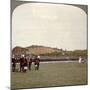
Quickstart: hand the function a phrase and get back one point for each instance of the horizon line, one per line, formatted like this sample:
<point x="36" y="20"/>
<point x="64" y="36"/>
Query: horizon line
<point x="48" y="47"/>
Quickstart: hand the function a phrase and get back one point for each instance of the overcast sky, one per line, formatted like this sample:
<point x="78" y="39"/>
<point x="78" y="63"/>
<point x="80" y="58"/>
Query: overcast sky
<point x="53" y="25"/>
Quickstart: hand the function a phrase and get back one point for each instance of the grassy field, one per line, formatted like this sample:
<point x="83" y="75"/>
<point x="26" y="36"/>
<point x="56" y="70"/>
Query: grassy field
<point x="51" y="74"/>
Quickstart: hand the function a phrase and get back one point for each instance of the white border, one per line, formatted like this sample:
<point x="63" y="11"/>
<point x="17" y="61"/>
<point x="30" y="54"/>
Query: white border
<point x="4" y="44"/>
<point x="5" y="47"/>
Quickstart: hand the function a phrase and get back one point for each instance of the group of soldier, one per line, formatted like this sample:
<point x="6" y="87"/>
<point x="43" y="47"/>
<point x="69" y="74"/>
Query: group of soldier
<point x="25" y="63"/>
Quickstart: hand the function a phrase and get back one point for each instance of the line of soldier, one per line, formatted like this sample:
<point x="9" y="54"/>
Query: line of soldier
<point x="25" y="63"/>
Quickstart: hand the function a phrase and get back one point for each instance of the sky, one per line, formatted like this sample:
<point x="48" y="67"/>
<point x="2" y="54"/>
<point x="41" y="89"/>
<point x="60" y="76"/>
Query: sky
<point x="53" y="25"/>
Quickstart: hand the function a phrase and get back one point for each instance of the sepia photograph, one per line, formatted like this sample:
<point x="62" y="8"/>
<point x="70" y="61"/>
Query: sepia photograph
<point x="48" y="44"/>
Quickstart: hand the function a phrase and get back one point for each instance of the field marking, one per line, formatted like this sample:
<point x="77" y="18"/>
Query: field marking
<point x="56" y="62"/>
<point x="59" y="62"/>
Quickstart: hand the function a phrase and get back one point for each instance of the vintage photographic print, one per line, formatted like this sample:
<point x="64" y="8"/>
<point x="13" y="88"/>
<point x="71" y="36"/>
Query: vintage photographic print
<point x="49" y="44"/>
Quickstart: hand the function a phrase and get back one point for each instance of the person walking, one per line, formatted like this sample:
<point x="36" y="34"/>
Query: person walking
<point x="30" y="63"/>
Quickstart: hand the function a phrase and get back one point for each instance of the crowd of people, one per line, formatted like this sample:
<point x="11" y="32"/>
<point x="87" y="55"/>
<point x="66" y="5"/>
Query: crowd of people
<point x="25" y="64"/>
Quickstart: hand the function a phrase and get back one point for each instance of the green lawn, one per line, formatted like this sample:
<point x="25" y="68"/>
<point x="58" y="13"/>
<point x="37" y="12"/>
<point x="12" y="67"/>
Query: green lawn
<point x="51" y="74"/>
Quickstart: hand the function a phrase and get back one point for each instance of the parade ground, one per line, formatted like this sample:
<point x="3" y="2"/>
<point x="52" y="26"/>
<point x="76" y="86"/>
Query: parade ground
<point x="51" y="74"/>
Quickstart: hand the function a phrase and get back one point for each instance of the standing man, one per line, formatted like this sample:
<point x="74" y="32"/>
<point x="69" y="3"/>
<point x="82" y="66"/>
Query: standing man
<point x="22" y="63"/>
<point x="30" y="63"/>
<point x="13" y="64"/>
<point x="25" y="64"/>
<point x="37" y="62"/>
<point x="80" y="59"/>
